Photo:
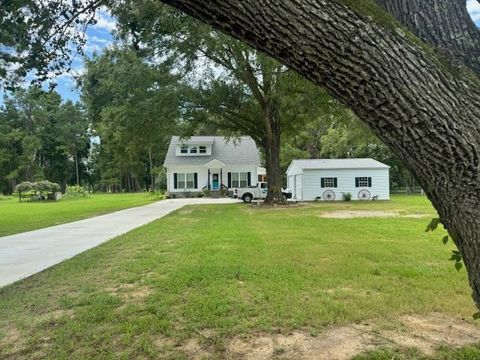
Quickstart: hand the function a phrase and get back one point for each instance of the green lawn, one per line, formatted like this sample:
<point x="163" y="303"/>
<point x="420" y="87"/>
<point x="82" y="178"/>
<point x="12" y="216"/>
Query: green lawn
<point x="18" y="216"/>
<point x="208" y="274"/>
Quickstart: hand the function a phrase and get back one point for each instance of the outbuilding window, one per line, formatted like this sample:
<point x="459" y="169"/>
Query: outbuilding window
<point x="363" y="181"/>
<point x="184" y="149"/>
<point x="202" y="149"/>
<point x="193" y="149"/>
<point x="329" y="182"/>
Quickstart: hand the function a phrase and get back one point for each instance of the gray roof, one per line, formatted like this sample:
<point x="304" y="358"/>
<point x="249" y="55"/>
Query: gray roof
<point x="337" y="164"/>
<point x="237" y="151"/>
<point x="193" y="140"/>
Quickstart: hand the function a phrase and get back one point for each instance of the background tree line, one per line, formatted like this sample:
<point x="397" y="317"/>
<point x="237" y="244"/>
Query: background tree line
<point x="167" y="75"/>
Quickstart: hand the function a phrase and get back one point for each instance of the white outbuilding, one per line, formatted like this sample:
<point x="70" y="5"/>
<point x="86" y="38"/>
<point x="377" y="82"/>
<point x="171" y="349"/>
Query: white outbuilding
<point x="330" y="179"/>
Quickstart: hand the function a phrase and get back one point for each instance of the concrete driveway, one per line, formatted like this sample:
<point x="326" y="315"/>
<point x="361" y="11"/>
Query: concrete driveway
<point x="27" y="253"/>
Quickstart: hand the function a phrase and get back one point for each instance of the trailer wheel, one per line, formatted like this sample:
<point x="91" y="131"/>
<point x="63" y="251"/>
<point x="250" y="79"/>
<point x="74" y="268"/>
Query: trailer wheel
<point x="247" y="198"/>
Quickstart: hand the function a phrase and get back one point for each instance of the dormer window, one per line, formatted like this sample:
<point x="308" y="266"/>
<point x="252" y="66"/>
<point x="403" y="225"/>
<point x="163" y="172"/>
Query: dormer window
<point x="193" y="150"/>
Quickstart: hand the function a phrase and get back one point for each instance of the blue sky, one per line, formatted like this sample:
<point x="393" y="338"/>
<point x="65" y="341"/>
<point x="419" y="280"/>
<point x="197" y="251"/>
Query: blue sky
<point x="99" y="36"/>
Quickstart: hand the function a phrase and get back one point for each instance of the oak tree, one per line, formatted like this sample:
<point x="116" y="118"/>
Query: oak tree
<point x="424" y="104"/>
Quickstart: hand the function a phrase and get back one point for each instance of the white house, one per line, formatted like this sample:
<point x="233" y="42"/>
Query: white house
<point x="211" y="162"/>
<point x="329" y="179"/>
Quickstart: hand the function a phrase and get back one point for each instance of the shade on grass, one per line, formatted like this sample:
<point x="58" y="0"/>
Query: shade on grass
<point x="235" y="270"/>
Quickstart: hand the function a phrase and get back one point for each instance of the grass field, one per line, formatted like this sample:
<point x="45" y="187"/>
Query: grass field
<point x="18" y="216"/>
<point x="215" y="281"/>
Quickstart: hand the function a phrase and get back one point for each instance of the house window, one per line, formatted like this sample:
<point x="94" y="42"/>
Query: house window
<point x="193" y="149"/>
<point x="363" y="181"/>
<point x="329" y="182"/>
<point x="239" y="180"/>
<point x="202" y="149"/>
<point x="190" y="181"/>
<point x="180" y="181"/>
<point x="184" y="149"/>
<point x="185" y="181"/>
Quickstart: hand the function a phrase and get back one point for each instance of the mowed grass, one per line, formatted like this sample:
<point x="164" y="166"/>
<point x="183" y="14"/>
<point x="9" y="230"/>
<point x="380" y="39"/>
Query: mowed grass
<point x="18" y="216"/>
<point x="234" y="271"/>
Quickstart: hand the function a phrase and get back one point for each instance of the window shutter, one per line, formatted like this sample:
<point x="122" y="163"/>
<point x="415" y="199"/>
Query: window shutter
<point x="369" y="182"/>
<point x="229" y="180"/>
<point x="249" y="179"/>
<point x="356" y="182"/>
<point x="175" y="184"/>
<point x="334" y="182"/>
<point x="195" y="180"/>
<point x="322" y="180"/>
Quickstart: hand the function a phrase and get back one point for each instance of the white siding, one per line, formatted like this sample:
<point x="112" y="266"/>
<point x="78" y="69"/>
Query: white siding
<point x="202" y="172"/>
<point x="346" y="183"/>
<point x="298" y="187"/>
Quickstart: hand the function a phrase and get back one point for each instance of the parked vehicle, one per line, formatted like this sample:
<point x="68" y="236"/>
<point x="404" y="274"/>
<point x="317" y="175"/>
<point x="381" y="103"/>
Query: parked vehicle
<point x="251" y="193"/>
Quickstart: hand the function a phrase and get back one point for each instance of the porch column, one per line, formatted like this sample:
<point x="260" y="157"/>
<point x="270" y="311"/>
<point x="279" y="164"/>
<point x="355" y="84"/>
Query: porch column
<point x="221" y="178"/>
<point x="208" y="179"/>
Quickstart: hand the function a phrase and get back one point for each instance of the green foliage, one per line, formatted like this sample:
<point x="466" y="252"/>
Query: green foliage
<point x="75" y="191"/>
<point x="236" y="91"/>
<point x="432" y="226"/>
<point x="160" y="178"/>
<point x="38" y="37"/>
<point x="40" y="189"/>
<point x="347" y="196"/>
<point x="456" y="255"/>
<point x="41" y="138"/>
<point x="134" y="107"/>
<point x="457" y="258"/>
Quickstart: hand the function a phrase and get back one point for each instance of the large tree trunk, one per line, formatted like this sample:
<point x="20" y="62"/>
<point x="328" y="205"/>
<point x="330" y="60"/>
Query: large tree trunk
<point x="426" y="114"/>
<point x="445" y="24"/>
<point x="77" y="172"/>
<point x="272" y="154"/>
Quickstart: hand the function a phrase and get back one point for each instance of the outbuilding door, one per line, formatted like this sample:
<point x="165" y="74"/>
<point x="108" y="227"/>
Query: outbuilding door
<point x="297" y="181"/>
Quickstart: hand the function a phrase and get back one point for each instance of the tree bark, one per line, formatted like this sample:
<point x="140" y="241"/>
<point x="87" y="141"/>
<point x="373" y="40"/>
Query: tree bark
<point x="152" y="176"/>
<point x="77" y="173"/>
<point x="272" y="153"/>
<point x="444" y="24"/>
<point x="428" y="115"/>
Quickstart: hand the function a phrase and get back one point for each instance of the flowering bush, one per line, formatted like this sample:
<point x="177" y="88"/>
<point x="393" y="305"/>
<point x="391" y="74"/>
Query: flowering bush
<point x="40" y="189"/>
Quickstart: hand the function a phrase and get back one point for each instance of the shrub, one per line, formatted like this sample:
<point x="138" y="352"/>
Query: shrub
<point x="40" y="190"/>
<point x="156" y="195"/>
<point x="76" y="191"/>
<point x="206" y="192"/>
<point x="347" y="196"/>
<point x="223" y="191"/>
<point x="160" y="178"/>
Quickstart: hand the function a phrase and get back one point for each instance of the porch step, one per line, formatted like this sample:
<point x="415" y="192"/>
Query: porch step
<point x="216" y="194"/>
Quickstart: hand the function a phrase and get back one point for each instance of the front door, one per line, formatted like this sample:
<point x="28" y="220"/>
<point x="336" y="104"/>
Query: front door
<point x="215" y="182"/>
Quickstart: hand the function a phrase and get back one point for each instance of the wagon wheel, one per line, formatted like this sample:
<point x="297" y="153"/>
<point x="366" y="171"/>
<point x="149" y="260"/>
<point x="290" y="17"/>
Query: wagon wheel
<point x="364" y="195"/>
<point x="328" y="195"/>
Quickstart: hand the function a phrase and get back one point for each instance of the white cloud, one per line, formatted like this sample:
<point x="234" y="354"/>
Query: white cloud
<point x="96" y="39"/>
<point x="473" y="7"/>
<point x="105" y="21"/>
